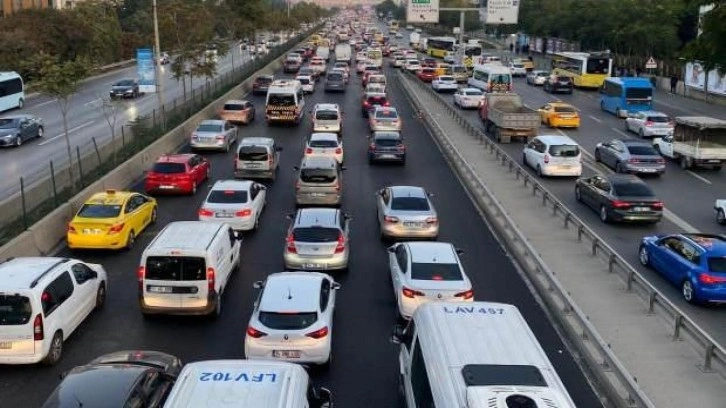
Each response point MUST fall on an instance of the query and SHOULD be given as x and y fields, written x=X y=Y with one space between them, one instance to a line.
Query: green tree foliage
x=710 y=47
x=452 y=19
x=398 y=12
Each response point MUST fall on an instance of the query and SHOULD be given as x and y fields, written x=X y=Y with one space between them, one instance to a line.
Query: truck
x=697 y=141
x=413 y=40
x=342 y=52
x=505 y=117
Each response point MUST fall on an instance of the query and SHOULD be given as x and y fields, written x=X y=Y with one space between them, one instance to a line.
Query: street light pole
x=157 y=56
x=288 y=7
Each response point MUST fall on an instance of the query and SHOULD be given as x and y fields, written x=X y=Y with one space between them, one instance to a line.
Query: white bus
x=12 y=91
x=375 y=57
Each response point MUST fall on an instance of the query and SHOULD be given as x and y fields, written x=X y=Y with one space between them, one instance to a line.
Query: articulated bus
x=393 y=26
x=439 y=46
x=588 y=70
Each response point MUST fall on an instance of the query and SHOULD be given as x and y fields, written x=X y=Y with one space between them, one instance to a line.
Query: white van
x=553 y=155
x=185 y=269
x=245 y=383
x=475 y=355
x=285 y=101
x=491 y=78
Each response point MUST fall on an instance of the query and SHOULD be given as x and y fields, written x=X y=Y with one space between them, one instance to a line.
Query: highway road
x=364 y=370
x=688 y=195
x=86 y=119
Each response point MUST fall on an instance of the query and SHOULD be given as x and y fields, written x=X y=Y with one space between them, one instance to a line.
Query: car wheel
x=130 y=240
x=688 y=292
x=257 y=222
x=217 y=307
x=56 y=349
x=401 y=392
x=720 y=217
x=21 y=103
x=578 y=194
x=597 y=155
x=524 y=160
x=549 y=123
x=641 y=134
x=154 y=216
x=100 y=296
x=619 y=168
x=18 y=141
x=604 y=215
x=539 y=171
x=626 y=125
x=194 y=188
x=40 y=131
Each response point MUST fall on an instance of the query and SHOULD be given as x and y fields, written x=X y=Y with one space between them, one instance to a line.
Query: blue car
x=694 y=262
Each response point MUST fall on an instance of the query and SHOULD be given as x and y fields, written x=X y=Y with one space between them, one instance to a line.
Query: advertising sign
x=696 y=78
x=502 y=11
x=422 y=11
x=717 y=82
x=145 y=70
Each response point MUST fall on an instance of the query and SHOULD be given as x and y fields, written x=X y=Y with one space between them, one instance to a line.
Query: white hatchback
x=468 y=98
x=238 y=203
x=553 y=155
x=424 y=272
x=292 y=318
x=325 y=144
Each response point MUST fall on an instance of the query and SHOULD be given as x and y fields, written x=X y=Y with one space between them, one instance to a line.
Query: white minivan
x=491 y=78
x=246 y=383
x=480 y=354
x=185 y=269
x=553 y=155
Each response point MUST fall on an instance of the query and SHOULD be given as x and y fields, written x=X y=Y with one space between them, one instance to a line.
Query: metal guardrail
x=713 y=355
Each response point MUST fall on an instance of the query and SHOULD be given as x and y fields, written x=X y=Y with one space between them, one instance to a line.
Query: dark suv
x=558 y=83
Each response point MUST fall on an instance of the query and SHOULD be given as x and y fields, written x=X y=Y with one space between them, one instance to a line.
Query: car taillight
x=116 y=228
x=633 y=161
x=465 y=295
x=338 y=150
x=410 y=293
x=710 y=279
x=254 y=333
x=140 y=274
x=401 y=148
x=341 y=244
x=432 y=220
x=219 y=137
x=648 y=123
x=621 y=204
x=366 y=104
x=203 y=212
x=660 y=161
x=337 y=185
x=390 y=219
x=318 y=334
x=290 y=244
x=71 y=229
x=244 y=213
x=38 y=328
x=658 y=205
x=194 y=136
x=309 y=150
x=546 y=158
x=211 y=277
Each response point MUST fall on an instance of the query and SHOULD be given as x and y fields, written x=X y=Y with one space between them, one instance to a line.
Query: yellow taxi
x=111 y=220
x=559 y=114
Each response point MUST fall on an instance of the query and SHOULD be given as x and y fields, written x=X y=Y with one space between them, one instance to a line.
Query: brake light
x=366 y=104
x=620 y=204
x=372 y=146
x=469 y=294
x=648 y=123
x=290 y=242
x=318 y=334
x=71 y=229
x=338 y=150
x=219 y=137
x=254 y=333
x=309 y=150
x=337 y=185
x=244 y=213
x=658 y=205
x=203 y=212
x=390 y=219
x=116 y=228
x=401 y=147
x=432 y=220
x=210 y=279
x=140 y=274
x=546 y=158
x=660 y=161
x=386 y=103
x=341 y=244
x=633 y=161
x=38 y=328
x=410 y=293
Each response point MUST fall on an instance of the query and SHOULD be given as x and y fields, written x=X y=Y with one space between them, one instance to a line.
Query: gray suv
x=317 y=240
x=335 y=81
x=319 y=181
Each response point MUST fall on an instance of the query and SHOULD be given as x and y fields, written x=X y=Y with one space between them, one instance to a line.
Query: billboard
x=146 y=70
x=422 y=11
x=696 y=78
x=502 y=12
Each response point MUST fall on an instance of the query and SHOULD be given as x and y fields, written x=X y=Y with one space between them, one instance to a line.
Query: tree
x=710 y=47
x=60 y=80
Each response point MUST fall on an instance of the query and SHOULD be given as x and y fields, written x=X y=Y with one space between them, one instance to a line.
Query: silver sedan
x=385 y=119
x=630 y=156
x=214 y=134
x=406 y=212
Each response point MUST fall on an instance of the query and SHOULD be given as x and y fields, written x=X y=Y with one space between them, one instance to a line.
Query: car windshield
x=326 y=115
x=435 y=271
x=386 y=114
x=233 y=107
x=227 y=197
x=518 y=65
x=169 y=168
x=715 y=264
x=317 y=175
x=252 y=153
x=315 y=234
x=410 y=204
x=323 y=143
x=287 y=320
x=99 y=211
x=564 y=150
x=565 y=109
x=175 y=268
x=211 y=128
x=126 y=82
x=8 y=123
x=642 y=150
x=14 y=310
x=636 y=189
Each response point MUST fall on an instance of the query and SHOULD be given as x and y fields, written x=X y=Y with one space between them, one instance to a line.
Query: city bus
x=623 y=96
x=393 y=26
x=471 y=56
x=439 y=46
x=588 y=70
x=375 y=57
x=12 y=92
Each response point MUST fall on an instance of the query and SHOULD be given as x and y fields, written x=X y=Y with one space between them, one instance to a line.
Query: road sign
x=502 y=12
x=651 y=64
x=422 y=11
x=145 y=70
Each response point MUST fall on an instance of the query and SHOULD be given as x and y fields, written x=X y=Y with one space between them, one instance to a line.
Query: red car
x=427 y=74
x=177 y=173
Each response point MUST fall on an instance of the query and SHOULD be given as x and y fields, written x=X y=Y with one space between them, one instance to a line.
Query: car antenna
x=289 y=293
x=80 y=404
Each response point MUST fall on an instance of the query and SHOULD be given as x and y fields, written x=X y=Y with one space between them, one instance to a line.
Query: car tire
x=18 y=141
x=720 y=216
x=217 y=307
x=688 y=292
x=578 y=194
x=626 y=125
x=21 y=103
x=40 y=132
x=194 y=188
x=619 y=168
x=539 y=172
x=130 y=240
x=604 y=215
x=100 y=296
x=641 y=134
x=154 y=216
x=597 y=156
x=643 y=256
x=56 y=349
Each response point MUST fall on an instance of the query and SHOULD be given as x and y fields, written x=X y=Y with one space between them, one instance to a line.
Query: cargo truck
x=505 y=117
x=697 y=141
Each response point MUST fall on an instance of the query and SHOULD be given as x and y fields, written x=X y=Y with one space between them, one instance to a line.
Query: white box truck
x=343 y=52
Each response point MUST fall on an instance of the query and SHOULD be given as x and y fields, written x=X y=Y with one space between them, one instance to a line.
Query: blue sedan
x=694 y=262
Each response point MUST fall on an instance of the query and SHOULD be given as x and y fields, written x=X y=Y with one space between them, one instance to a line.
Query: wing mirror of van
x=323 y=397
x=431 y=195
x=459 y=251
x=258 y=285
x=238 y=235
x=278 y=149
x=391 y=249
x=336 y=286
x=296 y=168
x=289 y=216
x=343 y=168
x=397 y=335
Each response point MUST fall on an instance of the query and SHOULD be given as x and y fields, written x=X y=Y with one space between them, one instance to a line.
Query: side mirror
x=63 y=375
x=391 y=249
x=347 y=216
x=278 y=149
x=459 y=251
x=431 y=195
x=296 y=168
x=258 y=285
x=343 y=168
x=238 y=235
x=289 y=216
x=397 y=335
x=323 y=397
x=336 y=286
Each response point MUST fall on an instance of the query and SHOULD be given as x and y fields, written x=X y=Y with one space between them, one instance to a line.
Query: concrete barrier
x=45 y=235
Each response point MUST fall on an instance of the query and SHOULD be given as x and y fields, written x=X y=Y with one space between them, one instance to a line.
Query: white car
x=238 y=203
x=537 y=77
x=318 y=65
x=307 y=82
x=444 y=83
x=467 y=98
x=292 y=318
x=450 y=57
x=399 y=61
x=720 y=208
x=424 y=272
x=517 y=69
x=399 y=35
x=412 y=65
x=325 y=144
x=553 y=155
x=649 y=124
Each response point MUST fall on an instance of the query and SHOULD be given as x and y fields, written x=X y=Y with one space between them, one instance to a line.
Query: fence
x=39 y=193
x=713 y=355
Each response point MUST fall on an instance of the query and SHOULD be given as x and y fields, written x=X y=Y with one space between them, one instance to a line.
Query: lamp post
x=157 y=56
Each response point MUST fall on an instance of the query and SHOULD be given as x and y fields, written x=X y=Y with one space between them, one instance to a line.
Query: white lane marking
x=594 y=118
x=93 y=102
x=705 y=180
x=41 y=104
x=620 y=131
x=71 y=130
x=680 y=222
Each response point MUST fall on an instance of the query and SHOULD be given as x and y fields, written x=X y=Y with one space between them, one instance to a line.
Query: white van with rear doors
x=185 y=269
x=246 y=383
x=553 y=155
x=491 y=78
x=475 y=355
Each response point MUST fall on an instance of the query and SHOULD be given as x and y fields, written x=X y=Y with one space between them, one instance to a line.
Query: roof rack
x=34 y=283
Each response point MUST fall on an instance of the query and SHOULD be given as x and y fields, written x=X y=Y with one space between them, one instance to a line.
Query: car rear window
x=175 y=268
x=318 y=175
x=287 y=321
x=564 y=150
x=335 y=77
x=99 y=211
x=263 y=81
x=227 y=197
x=715 y=264
x=635 y=189
x=564 y=79
x=642 y=151
x=388 y=141
x=326 y=115
x=169 y=168
x=315 y=234
x=446 y=78
x=565 y=109
x=435 y=271
x=410 y=204
x=15 y=310
x=377 y=100
x=252 y=153
x=323 y=143
x=386 y=114
x=233 y=107
x=304 y=81
x=209 y=128
x=659 y=119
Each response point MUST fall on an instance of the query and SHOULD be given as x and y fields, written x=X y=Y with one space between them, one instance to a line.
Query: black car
x=121 y=379
x=556 y=84
x=262 y=84
x=619 y=197
x=386 y=146
x=16 y=129
x=125 y=88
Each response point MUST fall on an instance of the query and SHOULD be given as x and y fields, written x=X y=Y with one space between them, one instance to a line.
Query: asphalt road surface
x=364 y=370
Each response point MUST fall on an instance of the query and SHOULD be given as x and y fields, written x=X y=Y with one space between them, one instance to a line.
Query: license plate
x=648 y=170
x=91 y=231
x=6 y=345
x=411 y=224
x=159 y=289
x=314 y=266
x=714 y=161
x=223 y=215
x=166 y=187
x=317 y=194
x=252 y=165
x=566 y=166
x=286 y=353
x=641 y=209
x=388 y=156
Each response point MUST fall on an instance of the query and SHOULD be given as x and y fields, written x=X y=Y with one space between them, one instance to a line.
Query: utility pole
x=288 y=7
x=157 y=56
x=462 y=17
